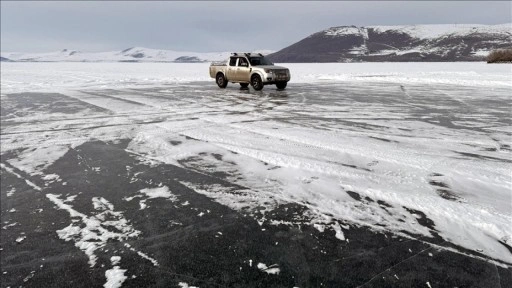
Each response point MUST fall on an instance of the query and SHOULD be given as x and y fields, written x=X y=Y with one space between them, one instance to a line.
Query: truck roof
x=246 y=54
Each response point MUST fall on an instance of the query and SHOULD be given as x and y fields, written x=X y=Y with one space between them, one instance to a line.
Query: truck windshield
x=256 y=61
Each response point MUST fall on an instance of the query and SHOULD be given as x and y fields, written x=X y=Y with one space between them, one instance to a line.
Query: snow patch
x=339 y=233
x=159 y=192
x=153 y=193
x=440 y=30
x=51 y=177
x=115 y=277
x=347 y=30
x=115 y=260
x=93 y=232
x=272 y=269
x=11 y=192
x=185 y=285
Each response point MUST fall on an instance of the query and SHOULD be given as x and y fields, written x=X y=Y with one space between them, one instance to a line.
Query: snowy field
x=46 y=76
x=416 y=150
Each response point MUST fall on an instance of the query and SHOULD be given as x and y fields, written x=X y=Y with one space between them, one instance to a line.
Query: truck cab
x=238 y=68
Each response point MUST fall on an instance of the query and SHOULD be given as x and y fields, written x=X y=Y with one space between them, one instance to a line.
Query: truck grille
x=281 y=73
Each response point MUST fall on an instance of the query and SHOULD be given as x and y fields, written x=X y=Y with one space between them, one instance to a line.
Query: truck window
x=255 y=61
x=242 y=62
x=232 y=61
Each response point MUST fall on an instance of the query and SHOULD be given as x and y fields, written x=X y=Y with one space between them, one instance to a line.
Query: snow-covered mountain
x=455 y=42
x=135 y=54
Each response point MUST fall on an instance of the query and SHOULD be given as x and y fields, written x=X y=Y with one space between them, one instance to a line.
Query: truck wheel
x=221 y=81
x=281 y=85
x=244 y=85
x=256 y=82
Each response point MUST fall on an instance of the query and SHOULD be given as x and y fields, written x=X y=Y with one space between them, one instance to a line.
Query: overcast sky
x=214 y=26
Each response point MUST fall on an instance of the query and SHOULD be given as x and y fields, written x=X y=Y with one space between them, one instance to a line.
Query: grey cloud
x=214 y=26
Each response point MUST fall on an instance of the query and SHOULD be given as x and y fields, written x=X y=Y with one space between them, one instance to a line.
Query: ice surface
x=381 y=158
x=59 y=77
x=30 y=183
x=33 y=161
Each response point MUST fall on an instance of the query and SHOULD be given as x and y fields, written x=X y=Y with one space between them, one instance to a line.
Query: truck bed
x=218 y=63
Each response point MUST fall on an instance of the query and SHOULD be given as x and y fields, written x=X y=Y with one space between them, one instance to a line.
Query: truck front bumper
x=272 y=78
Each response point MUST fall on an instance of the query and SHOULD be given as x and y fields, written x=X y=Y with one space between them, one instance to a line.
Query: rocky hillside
x=461 y=42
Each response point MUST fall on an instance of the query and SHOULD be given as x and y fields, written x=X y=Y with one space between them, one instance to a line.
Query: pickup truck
x=249 y=68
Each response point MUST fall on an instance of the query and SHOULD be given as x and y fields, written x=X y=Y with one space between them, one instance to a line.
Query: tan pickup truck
x=249 y=68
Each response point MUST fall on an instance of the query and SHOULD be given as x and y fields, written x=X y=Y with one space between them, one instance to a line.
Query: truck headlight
x=268 y=71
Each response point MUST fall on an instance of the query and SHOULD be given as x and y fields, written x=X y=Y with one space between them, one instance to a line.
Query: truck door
x=231 y=69
x=243 y=70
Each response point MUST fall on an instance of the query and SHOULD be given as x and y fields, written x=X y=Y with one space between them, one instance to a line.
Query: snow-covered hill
x=135 y=54
x=456 y=42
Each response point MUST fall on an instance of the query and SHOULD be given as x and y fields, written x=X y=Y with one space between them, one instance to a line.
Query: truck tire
x=281 y=85
x=256 y=82
x=221 y=80
x=244 y=85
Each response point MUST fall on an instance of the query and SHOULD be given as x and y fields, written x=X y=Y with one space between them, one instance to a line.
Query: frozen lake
x=119 y=163
x=22 y=77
